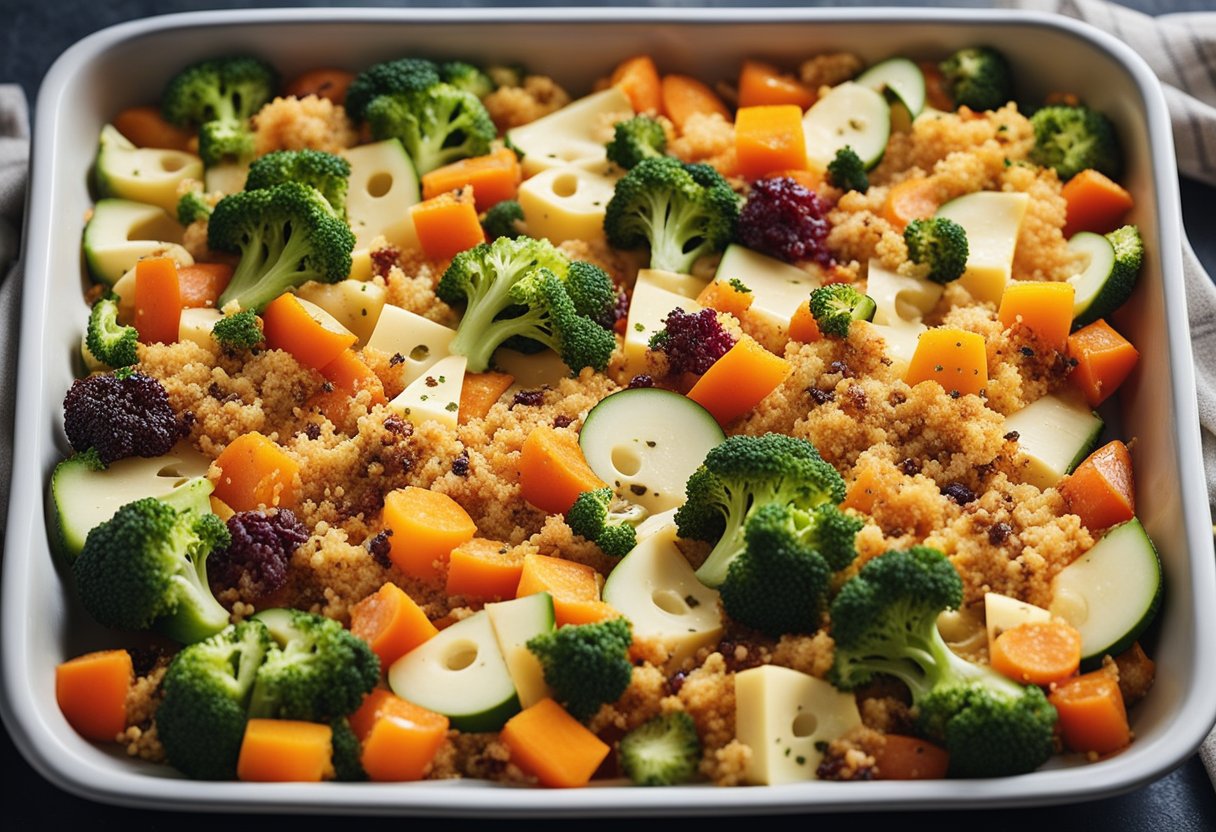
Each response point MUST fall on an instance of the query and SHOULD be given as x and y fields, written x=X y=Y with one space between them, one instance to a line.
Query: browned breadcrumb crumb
x=851 y=757
x=482 y=756
x=1136 y=672
x=294 y=123
x=516 y=106
x=143 y=697
x=829 y=69
x=708 y=138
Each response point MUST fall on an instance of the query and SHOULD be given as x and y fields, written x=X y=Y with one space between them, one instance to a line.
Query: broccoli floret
x=682 y=211
x=315 y=669
x=692 y=341
x=591 y=291
x=147 y=566
x=884 y=620
x=503 y=219
x=286 y=235
x=1072 y=139
x=635 y=139
x=978 y=77
x=436 y=125
x=941 y=245
x=740 y=476
x=347 y=752
x=219 y=96
x=256 y=559
x=240 y=331
x=847 y=172
x=201 y=721
x=833 y=534
x=837 y=305
x=110 y=342
x=193 y=206
x=403 y=75
x=120 y=415
x=607 y=519
x=327 y=172
x=786 y=220
x=665 y=751
x=586 y=665
x=465 y=76
x=524 y=288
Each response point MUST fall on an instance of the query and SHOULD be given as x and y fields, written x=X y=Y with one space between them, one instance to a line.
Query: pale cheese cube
x=383 y=187
x=647 y=310
x=355 y=303
x=573 y=134
x=992 y=220
x=567 y=203
x=420 y=341
x=778 y=288
x=435 y=395
x=196 y=325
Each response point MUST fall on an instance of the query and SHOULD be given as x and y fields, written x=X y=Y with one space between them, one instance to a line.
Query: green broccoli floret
x=837 y=305
x=740 y=476
x=847 y=172
x=436 y=125
x=503 y=219
x=402 y=75
x=884 y=620
x=592 y=291
x=201 y=721
x=586 y=665
x=465 y=76
x=635 y=139
x=833 y=534
x=219 y=96
x=286 y=236
x=110 y=342
x=524 y=288
x=347 y=752
x=940 y=244
x=978 y=77
x=315 y=668
x=665 y=751
x=682 y=211
x=327 y=172
x=240 y=331
x=193 y=206
x=1072 y=139
x=608 y=520
x=147 y=566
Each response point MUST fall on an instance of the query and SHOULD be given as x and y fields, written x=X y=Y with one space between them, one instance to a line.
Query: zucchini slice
x=1110 y=275
x=900 y=78
x=853 y=115
x=121 y=232
x=646 y=442
x=1112 y=592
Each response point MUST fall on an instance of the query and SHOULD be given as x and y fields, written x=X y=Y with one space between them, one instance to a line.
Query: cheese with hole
x=383 y=187
x=898 y=298
x=142 y=174
x=435 y=395
x=356 y=304
x=648 y=308
x=574 y=134
x=993 y=221
x=567 y=203
x=777 y=287
x=418 y=340
x=784 y=717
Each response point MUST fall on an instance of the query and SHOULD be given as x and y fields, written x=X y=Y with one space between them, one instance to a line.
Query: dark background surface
x=33 y=34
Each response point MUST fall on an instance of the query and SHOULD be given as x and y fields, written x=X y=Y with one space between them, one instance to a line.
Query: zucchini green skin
x=1116 y=286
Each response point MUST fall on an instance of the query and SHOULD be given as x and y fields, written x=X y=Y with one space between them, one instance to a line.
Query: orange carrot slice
x=553 y=746
x=1042 y=307
x=1095 y=203
x=285 y=751
x=1101 y=491
x=762 y=84
x=575 y=588
x=1104 y=361
x=638 y=78
x=803 y=326
x=92 y=693
x=769 y=139
x=309 y=333
x=350 y=374
x=484 y=568
x=426 y=526
x=685 y=97
x=1037 y=652
x=1092 y=717
x=739 y=380
x=254 y=472
x=146 y=127
x=402 y=739
x=158 y=300
x=912 y=199
x=954 y=358
x=725 y=296
x=494 y=178
x=902 y=757
x=203 y=283
x=553 y=470
x=480 y=392
x=447 y=224
x=325 y=82
x=391 y=623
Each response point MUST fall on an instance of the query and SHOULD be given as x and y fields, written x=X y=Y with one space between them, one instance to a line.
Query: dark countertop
x=34 y=34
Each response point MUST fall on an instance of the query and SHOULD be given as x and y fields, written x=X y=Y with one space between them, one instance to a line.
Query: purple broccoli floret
x=120 y=415
x=693 y=341
x=256 y=561
x=785 y=220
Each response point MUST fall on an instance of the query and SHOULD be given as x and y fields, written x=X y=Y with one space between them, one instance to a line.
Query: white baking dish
x=128 y=64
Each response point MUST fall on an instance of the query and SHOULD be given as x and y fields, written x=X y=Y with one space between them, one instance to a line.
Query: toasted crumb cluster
x=297 y=123
x=538 y=96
